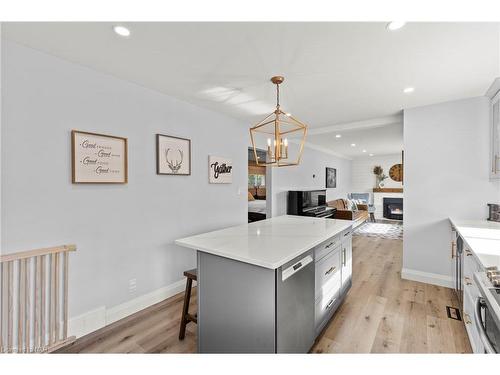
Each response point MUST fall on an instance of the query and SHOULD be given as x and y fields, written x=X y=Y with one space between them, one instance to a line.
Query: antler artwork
x=174 y=165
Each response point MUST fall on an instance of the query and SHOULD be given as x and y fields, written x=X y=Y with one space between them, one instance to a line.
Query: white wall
x=122 y=231
x=446 y=174
x=363 y=179
x=309 y=174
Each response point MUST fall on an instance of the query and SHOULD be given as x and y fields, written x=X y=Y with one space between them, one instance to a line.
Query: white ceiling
x=375 y=140
x=335 y=73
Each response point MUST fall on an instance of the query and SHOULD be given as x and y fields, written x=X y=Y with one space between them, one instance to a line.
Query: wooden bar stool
x=186 y=316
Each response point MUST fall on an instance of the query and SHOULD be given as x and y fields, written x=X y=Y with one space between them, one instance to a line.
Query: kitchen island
x=270 y=286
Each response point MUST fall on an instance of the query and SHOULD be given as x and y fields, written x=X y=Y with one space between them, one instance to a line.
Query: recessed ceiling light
x=288 y=114
x=121 y=30
x=338 y=135
x=408 y=90
x=371 y=154
x=364 y=150
x=395 y=25
x=353 y=144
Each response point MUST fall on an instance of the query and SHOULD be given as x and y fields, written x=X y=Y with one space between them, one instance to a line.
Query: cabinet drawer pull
x=467 y=281
x=343 y=256
x=346 y=234
x=453 y=247
x=467 y=319
x=329 y=245
x=468 y=252
x=330 y=304
x=330 y=270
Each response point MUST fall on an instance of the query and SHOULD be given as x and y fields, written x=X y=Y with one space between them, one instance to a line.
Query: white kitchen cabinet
x=495 y=137
x=333 y=269
x=470 y=295
x=346 y=259
x=468 y=312
x=328 y=284
x=327 y=247
x=328 y=275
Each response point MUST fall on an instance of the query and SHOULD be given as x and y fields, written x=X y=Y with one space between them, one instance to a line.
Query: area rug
x=393 y=231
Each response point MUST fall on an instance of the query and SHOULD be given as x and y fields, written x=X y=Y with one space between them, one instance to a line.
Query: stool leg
x=185 y=308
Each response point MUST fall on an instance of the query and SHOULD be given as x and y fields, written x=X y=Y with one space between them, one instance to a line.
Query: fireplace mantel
x=387 y=190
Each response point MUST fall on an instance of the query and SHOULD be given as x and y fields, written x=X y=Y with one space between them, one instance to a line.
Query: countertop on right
x=483 y=238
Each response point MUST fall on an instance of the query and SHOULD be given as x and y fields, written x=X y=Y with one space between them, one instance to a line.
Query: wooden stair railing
x=34 y=300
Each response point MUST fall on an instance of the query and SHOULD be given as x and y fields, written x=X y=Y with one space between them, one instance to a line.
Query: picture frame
x=98 y=158
x=173 y=155
x=331 y=178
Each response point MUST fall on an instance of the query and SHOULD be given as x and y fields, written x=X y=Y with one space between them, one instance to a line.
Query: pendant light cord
x=277 y=95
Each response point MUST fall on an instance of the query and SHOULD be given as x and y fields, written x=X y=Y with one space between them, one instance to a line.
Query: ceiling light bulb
x=353 y=144
x=288 y=114
x=364 y=150
x=338 y=136
x=408 y=90
x=395 y=25
x=371 y=154
x=121 y=30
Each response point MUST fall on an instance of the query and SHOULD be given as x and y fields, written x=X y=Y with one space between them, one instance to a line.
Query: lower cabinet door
x=324 y=309
x=470 y=296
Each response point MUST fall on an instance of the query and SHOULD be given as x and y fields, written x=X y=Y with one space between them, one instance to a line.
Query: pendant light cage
x=279 y=129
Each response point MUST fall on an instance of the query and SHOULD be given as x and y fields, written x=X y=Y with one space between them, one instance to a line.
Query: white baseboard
x=427 y=277
x=102 y=316
x=139 y=303
x=88 y=322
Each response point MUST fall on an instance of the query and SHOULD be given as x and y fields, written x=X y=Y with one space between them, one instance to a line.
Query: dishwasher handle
x=296 y=267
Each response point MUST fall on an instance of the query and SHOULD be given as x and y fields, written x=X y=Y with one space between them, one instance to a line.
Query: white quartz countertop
x=268 y=243
x=483 y=238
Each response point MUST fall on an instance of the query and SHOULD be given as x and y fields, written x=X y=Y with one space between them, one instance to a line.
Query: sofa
x=359 y=216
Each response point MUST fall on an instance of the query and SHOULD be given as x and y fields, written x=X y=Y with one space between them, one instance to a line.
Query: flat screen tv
x=302 y=201
x=313 y=199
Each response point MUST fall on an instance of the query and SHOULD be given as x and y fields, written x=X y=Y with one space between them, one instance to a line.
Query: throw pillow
x=351 y=205
x=250 y=197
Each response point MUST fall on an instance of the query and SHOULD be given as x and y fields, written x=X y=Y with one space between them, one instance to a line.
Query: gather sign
x=220 y=170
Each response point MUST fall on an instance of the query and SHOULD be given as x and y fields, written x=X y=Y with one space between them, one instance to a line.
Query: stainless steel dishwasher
x=295 y=305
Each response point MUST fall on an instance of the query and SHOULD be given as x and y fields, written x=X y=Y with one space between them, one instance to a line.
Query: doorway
x=257 y=187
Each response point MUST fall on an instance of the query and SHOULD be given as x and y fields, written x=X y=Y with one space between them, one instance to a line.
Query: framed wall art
x=173 y=155
x=220 y=170
x=331 y=178
x=98 y=158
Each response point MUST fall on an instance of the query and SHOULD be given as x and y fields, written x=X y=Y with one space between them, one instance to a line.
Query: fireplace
x=393 y=208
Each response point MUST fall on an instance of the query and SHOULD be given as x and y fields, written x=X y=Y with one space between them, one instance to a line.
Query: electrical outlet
x=132 y=285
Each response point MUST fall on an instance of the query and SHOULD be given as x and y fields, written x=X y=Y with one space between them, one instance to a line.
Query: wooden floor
x=381 y=314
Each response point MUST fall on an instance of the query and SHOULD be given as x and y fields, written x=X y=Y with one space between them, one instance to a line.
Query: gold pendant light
x=278 y=128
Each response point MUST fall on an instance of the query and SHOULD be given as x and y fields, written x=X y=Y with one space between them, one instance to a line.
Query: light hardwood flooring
x=381 y=314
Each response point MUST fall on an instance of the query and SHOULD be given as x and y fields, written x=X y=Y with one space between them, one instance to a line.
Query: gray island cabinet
x=270 y=286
